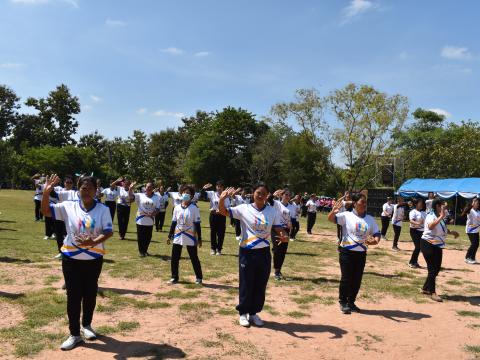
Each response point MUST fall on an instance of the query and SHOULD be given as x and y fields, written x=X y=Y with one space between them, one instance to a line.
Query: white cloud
x=356 y=8
x=456 y=53
x=73 y=3
x=141 y=111
x=173 y=51
x=95 y=98
x=441 y=112
x=11 y=65
x=115 y=23
x=163 y=113
x=202 y=54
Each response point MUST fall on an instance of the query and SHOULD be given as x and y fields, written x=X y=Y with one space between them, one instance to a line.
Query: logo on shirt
x=361 y=229
x=261 y=224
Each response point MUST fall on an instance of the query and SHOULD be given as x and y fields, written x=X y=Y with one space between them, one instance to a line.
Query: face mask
x=186 y=197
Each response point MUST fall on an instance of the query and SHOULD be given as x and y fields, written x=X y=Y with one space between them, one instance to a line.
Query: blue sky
x=144 y=64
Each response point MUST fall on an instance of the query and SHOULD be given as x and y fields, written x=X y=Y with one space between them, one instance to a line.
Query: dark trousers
x=60 y=233
x=144 y=237
x=217 y=231
x=279 y=252
x=123 y=216
x=81 y=280
x=238 y=229
x=396 y=231
x=38 y=213
x=49 y=226
x=112 y=206
x=416 y=238
x=193 y=253
x=295 y=228
x=472 y=250
x=159 y=221
x=311 y=218
x=339 y=233
x=433 y=257
x=254 y=271
x=385 y=223
x=352 y=264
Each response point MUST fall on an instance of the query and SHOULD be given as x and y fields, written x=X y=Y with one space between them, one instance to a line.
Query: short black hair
x=189 y=188
x=357 y=196
x=87 y=179
x=259 y=185
x=220 y=182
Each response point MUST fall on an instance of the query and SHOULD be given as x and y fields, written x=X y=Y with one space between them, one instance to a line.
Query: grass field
x=30 y=279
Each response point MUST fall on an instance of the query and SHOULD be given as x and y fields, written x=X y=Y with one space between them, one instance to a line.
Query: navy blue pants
x=254 y=271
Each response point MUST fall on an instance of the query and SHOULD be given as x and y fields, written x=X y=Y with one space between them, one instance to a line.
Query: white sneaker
x=243 y=320
x=291 y=239
x=471 y=261
x=255 y=319
x=89 y=333
x=58 y=256
x=71 y=342
x=212 y=252
x=46 y=238
x=218 y=253
x=238 y=238
x=53 y=236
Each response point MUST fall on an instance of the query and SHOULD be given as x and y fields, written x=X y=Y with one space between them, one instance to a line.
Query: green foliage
x=8 y=110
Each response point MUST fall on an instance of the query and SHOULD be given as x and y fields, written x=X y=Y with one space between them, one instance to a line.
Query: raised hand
x=50 y=182
x=132 y=186
x=278 y=193
x=207 y=186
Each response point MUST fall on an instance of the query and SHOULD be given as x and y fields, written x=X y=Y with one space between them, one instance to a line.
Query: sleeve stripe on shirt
x=52 y=210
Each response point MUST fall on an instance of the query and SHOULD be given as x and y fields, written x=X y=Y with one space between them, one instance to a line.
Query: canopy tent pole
x=455 y=219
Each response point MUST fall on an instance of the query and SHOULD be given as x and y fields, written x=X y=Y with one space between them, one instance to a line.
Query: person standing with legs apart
x=386 y=216
x=257 y=220
x=295 y=209
x=88 y=226
x=358 y=230
x=217 y=220
x=397 y=219
x=311 y=213
x=279 y=249
x=111 y=196
x=148 y=205
x=160 y=217
x=123 y=208
x=417 y=219
x=37 y=199
x=432 y=245
x=473 y=229
x=186 y=231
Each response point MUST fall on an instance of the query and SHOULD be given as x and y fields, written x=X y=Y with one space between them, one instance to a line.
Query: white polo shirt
x=285 y=215
x=146 y=207
x=417 y=216
x=356 y=230
x=387 y=209
x=398 y=215
x=473 y=222
x=123 y=196
x=214 y=198
x=186 y=218
x=110 y=195
x=437 y=235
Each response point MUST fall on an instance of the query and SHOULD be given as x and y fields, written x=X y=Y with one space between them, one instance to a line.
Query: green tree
x=9 y=105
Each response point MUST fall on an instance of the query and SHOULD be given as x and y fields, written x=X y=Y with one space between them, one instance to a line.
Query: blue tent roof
x=444 y=188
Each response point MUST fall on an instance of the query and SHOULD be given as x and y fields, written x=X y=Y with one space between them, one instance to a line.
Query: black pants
x=81 y=280
x=144 y=237
x=416 y=238
x=217 y=231
x=295 y=228
x=352 y=264
x=112 y=205
x=49 y=226
x=159 y=221
x=311 y=218
x=433 y=257
x=193 y=253
x=254 y=271
x=385 y=223
x=238 y=229
x=123 y=216
x=396 y=230
x=38 y=213
x=339 y=233
x=279 y=251
x=60 y=233
x=303 y=213
x=472 y=250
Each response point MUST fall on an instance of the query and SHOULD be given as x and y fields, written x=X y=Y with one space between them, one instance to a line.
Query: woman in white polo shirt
x=432 y=245
x=123 y=207
x=417 y=219
x=256 y=220
x=111 y=196
x=217 y=220
x=358 y=230
x=397 y=220
x=311 y=213
x=88 y=225
x=386 y=216
x=148 y=205
x=472 y=229
x=279 y=248
x=186 y=231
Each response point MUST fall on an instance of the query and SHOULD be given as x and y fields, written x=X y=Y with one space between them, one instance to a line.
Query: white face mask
x=186 y=197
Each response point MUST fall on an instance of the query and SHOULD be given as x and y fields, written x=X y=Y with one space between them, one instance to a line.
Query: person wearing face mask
x=358 y=230
x=279 y=248
x=148 y=205
x=88 y=225
x=256 y=220
x=217 y=220
x=123 y=207
x=432 y=245
x=186 y=231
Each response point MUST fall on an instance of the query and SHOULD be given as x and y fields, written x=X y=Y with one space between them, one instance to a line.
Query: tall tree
x=367 y=119
x=9 y=105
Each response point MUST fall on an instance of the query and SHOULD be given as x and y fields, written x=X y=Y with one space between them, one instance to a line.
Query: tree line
x=294 y=145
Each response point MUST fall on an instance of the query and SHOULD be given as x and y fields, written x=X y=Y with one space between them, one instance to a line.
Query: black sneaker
x=355 y=308
x=345 y=308
x=278 y=276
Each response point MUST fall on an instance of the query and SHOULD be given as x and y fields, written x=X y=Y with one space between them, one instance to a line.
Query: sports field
x=140 y=316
